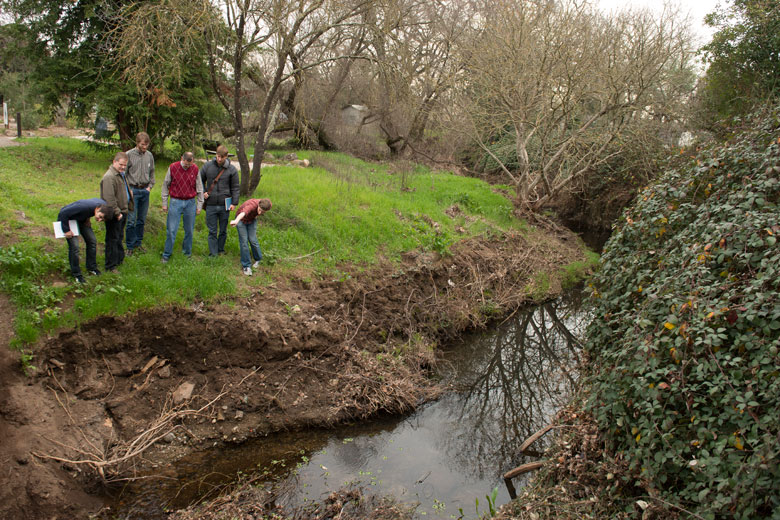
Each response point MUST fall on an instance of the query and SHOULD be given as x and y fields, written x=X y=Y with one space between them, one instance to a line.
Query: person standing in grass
x=140 y=177
x=182 y=183
x=246 y=225
x=220 y=180
x=81 y=211
x=116 y=192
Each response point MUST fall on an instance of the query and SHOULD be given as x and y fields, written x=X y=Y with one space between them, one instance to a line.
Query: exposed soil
x=133 y=392
x=7 y=135
x=28 y=414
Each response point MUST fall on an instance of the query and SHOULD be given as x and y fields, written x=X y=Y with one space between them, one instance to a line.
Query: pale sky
x=696 y=8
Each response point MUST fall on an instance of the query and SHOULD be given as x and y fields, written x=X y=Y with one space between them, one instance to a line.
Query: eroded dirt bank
x=137 y=391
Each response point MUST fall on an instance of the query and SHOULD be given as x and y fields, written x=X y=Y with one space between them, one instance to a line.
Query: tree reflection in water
x=511 y=382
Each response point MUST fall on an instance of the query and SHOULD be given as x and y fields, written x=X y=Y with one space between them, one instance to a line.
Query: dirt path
x=307 y=353
x=8 y=141
x=8 y=137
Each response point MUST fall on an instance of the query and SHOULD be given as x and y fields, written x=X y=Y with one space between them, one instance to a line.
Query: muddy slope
x=132 y=392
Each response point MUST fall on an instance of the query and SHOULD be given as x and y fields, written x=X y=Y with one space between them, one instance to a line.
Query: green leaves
x=695 y=351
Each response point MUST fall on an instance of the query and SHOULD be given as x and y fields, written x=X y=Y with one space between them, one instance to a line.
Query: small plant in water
x=491 y=501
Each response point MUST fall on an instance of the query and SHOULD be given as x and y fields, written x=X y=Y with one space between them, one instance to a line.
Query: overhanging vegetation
x=685 y=382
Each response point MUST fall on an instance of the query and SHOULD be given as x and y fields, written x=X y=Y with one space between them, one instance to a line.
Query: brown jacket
x=113 y=191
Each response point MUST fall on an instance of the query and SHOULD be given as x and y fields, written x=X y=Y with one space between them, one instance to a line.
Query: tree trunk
x=249 y=182
x=124 y=126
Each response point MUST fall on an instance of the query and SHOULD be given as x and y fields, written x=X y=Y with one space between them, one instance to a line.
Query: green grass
x=575 y=272
x=336 y=217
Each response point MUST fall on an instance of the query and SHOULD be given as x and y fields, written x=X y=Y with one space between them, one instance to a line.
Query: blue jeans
x=186 y=211
x=217 y=220
x=73 y=250
x=247 y=237
x=137 y=218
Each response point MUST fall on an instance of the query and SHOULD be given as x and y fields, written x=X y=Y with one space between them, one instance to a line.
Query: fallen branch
x=535 y=437
x=519 y=470
x=303 y=256
x=110 y=465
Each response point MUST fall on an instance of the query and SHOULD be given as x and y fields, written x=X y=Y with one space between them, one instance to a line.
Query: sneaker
x=256 y=264
x=80 y=279
x=164 y=260
x=248 y=271
x=140 y=249
x=95 y=272
x=129 y=252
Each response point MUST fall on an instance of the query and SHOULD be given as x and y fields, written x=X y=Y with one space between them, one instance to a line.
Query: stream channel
x=505 y=384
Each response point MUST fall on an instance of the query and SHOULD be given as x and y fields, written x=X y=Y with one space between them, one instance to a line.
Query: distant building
x=361 y=119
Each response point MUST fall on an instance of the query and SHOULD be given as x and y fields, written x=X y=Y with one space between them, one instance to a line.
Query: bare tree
x=249 y=44
x=550 y=84
x=412 y=64
x=320 y=75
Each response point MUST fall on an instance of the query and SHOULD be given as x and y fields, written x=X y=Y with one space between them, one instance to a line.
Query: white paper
x=58 y=233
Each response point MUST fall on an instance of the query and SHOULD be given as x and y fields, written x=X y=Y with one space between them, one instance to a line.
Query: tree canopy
x=543 y=92
x=743 y=60
x=79 y=68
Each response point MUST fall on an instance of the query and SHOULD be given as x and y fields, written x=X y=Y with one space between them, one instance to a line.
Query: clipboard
x=59 y=233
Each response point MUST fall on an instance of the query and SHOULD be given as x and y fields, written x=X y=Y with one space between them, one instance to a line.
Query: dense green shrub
x=686 y=378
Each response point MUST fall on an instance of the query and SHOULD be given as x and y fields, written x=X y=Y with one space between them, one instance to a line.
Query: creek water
x=446 y=458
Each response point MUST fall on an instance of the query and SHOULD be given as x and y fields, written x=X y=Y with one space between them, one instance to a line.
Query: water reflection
x=507 y=384
x=513 y=381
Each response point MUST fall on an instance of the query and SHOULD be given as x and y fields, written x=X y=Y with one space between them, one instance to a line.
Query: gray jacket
x=227 y=186
x=140 y=168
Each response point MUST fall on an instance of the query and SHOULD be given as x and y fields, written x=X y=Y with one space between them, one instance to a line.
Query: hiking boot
x=248 y=271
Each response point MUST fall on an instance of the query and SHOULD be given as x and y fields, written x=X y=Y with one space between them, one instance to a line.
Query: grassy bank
x=339 y=212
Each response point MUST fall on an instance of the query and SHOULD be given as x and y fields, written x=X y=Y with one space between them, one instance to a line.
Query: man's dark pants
x=115 y=251
x=217 y=217
x=85 y=230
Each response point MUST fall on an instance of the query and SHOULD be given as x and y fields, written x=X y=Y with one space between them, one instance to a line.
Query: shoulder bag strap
x=215 y=181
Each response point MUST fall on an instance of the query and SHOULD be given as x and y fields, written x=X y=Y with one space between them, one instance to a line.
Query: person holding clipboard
x=221 y=185
x=78 y=214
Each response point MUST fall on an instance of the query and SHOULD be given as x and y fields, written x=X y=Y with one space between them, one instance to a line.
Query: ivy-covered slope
x=684 y=345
